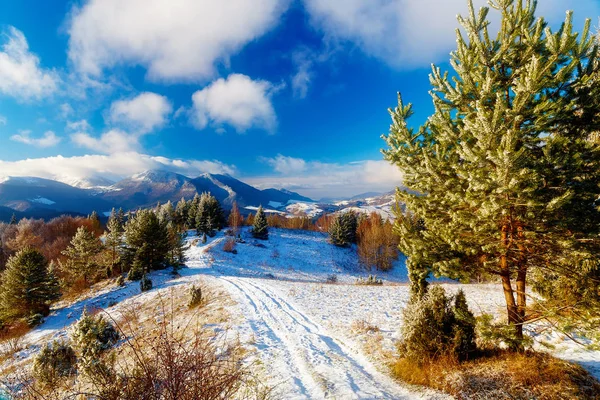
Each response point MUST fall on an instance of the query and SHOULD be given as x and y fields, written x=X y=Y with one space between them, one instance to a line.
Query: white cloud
x=3 y=120
x=411 y=33
x=138 y=116
x=113 y=166
x=143 y=113
x=81 y=126
x=48 y=140
x=113 y=141
x=303 y=76
x=316 y=179
x=66 y=110
x=237 y=101
x=181 y=40
x=20 y=73
x=285 y=165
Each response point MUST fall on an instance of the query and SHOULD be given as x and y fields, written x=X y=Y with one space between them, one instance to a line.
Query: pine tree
x=27 y=286
x=114 y=236
x=181 y=213
x=342 y=231
x=95 y=219
x=147 y=239
x=209 y=215
x=82 y=254
x=177 y=245
x=192 y=210
x=260 y=228
x=166 y=213
x=504 y=175
x=13 y=219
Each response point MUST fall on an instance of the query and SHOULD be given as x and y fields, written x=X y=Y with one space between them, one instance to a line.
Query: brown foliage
x=377 y=244
x=502 y=375
x=235 y=218
x=324 y=222
x=229 y=245
x=50 y=238
x=280 y=221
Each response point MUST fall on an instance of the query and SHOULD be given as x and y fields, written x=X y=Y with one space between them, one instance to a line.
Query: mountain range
x=45 y=198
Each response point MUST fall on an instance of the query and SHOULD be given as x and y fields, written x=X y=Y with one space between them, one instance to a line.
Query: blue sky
x=279 y=93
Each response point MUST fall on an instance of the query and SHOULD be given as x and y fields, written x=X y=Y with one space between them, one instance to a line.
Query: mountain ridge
x=144 y=189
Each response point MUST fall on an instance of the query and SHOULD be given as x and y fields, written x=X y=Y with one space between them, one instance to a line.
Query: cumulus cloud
x=285 y=165
x=81 y=125
x=237 y=101
x=114 y=166
x=113 y=141
x=3 y=120
x=407 y=33
x=316 y=179
x=181 y=40
x=143 y=113
x=49 y=139
x=21 y=75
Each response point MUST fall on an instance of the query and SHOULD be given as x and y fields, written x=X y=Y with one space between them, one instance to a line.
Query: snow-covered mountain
x=96 y=183
x=30 y=195
x=37 y=197
x=149 y=187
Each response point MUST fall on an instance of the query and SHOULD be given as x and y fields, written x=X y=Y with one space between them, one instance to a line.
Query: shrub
x=54 y=362
x=145 y=284
x=331 y=279
x=493 y=334
x=229 y=246
x=92 y=335
x=35 y=319
x=195 y=296
x=370 y=280
x=433 y=326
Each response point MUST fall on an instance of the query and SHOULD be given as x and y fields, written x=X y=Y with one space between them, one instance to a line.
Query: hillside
x=308 y=333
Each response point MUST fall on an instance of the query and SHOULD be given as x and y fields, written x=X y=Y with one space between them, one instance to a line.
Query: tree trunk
x=509 y=294
x=521 y=283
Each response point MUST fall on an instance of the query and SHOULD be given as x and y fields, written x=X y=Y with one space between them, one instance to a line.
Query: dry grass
x=168 y=351
x=229 y=246
x=11 y=339
x=502 y=375
x=361 y=326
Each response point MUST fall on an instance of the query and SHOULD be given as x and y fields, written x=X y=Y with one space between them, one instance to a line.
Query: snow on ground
x=42 y=200
x=311 y=210
x=301 y=327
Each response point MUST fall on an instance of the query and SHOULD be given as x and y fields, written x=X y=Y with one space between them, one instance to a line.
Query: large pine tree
x=114 y=236
x=81 y=254
x=28 y=287
x=209 y=215
x=148 y=240
x=503 y=177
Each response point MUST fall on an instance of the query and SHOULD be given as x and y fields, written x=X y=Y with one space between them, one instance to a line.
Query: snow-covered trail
x=306 y=361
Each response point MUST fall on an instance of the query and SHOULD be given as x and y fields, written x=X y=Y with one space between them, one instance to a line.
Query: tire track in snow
x=313 y=364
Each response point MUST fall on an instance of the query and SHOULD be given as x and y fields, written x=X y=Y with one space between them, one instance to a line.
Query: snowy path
x=309 y=363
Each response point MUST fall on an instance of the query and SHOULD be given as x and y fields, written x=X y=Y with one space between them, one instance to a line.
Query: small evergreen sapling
x=260 y=228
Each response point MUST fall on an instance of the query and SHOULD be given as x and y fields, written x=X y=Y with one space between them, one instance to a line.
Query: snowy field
x=306 y=331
